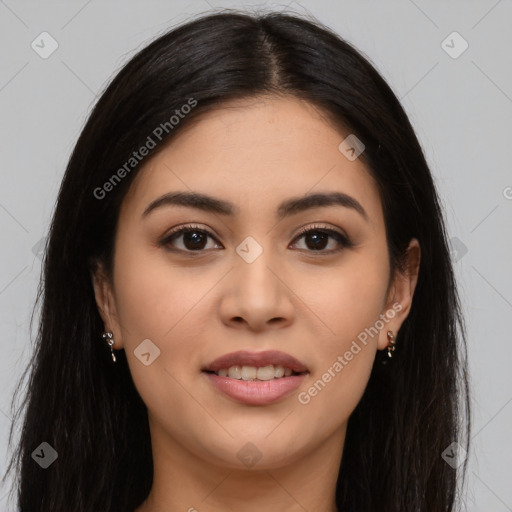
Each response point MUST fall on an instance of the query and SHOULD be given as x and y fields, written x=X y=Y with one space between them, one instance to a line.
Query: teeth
x=235 y=372
x=265 y=373
x=278 y=371
x=252 y=372
x=249 y=372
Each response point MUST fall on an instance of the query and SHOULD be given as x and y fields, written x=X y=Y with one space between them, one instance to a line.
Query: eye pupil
x=319 y=240
x=195 y=238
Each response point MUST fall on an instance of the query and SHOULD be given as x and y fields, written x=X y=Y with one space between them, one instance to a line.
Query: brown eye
x=317 y=239
x=193 y=239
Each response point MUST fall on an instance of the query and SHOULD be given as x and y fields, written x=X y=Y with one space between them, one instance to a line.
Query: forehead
x=256 y=152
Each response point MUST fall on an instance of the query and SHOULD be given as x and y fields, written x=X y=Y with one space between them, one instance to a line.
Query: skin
x=255 y=154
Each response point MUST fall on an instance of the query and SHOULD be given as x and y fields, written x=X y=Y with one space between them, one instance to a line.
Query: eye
x=194 y=238
x=317 y=237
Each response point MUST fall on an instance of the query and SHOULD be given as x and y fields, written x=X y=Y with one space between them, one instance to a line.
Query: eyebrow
x=288 y=207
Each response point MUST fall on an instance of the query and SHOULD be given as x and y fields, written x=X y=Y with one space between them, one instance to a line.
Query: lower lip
x=256 y=392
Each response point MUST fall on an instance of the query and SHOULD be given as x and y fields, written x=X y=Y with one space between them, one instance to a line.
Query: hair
x=89 y=410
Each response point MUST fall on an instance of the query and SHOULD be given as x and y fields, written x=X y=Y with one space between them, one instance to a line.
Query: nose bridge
x=254 y=277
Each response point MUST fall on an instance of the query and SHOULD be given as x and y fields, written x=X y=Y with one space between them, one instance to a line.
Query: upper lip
x=257 y=359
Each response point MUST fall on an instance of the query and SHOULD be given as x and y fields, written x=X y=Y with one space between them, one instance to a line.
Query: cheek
x=331 y=395
x=348 y=298
x=153 y=297
x=166 y=305
x=349 y=303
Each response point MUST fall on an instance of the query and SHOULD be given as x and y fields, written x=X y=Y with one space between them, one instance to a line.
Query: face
x=310 y=279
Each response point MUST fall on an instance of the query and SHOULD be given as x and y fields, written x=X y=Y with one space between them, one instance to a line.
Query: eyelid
x=190 y=226
x=323 y=228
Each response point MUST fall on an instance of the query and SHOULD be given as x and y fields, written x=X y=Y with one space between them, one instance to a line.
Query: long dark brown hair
x=89 y=410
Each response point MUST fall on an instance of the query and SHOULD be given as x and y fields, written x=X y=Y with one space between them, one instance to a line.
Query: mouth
x=256 y=378
x=245 y=365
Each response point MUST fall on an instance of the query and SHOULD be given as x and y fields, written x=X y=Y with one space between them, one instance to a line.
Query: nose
x=257 y=296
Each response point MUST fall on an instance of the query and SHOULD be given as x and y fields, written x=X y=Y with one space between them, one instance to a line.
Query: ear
x=400 y=294
x=105 y=302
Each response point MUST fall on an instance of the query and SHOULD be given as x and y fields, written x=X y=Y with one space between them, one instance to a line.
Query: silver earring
x=392 y=344
x=109 y=337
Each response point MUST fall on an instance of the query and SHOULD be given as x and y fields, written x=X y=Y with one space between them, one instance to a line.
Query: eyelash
x=343 y=240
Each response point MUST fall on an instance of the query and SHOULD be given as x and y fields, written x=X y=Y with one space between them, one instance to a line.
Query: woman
x=248 y=300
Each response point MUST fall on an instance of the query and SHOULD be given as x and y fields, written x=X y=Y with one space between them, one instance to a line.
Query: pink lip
x=255 y=392
x=257 y=359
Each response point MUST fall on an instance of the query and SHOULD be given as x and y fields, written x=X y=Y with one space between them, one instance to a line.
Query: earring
x=109 y=337
x=392 y=344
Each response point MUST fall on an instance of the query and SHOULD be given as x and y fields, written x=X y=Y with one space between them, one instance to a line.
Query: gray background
x=460 y=107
